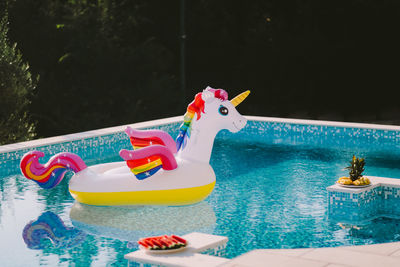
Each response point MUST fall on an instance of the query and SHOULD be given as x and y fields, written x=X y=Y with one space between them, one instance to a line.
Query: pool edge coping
x=176 y=119
x=87 y=134
x=326 y=123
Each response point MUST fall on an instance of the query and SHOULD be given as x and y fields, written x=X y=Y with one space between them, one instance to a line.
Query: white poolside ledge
x=326 y=123
x=177 y=119
x=375 y=182
x=197 y=242
x=383 y=255
x=87 y=134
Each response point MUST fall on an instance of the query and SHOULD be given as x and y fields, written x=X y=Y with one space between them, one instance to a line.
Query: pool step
x=360 y=205
x=198 y=242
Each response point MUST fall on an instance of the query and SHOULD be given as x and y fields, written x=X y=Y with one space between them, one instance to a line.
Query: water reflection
x=50 y=229
x=131 y=223
x=378 y=230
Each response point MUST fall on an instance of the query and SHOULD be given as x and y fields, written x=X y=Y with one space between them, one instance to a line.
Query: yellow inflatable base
x=171 y=197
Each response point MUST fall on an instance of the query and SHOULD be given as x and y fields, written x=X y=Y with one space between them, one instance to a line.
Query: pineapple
x=355 y=171
x=356 y=168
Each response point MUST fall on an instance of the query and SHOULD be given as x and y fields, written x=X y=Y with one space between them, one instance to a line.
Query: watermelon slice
x=179 y=239
x=146 y=243
x=164 y=242
x=153 y=244
x=143 y=244
x=158 y=243
x=170 y=243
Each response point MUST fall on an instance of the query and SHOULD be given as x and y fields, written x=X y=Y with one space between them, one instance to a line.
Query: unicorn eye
x=223 y=111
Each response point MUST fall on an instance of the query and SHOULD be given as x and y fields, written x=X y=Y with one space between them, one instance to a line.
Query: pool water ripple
x=270 y=193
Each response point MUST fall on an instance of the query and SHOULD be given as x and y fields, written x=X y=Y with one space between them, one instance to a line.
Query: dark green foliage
x=102 y=63
x=304 y=59
x=16 y=87
x=105 y=63
x=356 y=168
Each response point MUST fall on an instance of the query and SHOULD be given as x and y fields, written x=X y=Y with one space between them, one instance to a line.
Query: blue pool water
x=270 y=193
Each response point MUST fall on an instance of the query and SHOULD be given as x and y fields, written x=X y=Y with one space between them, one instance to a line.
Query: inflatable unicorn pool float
x=167 y=172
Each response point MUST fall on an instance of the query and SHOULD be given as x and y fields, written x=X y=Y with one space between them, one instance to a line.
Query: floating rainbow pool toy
x=158 y=171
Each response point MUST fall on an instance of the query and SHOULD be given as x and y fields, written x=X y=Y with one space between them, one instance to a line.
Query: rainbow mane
x=195 y=107
x=50 y=226
x=50 y=174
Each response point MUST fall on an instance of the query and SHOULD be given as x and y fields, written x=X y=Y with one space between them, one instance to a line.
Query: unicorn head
x=220 y=112
x=210 y=112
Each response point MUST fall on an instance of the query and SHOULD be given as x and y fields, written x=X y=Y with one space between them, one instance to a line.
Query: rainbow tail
x=50 y=174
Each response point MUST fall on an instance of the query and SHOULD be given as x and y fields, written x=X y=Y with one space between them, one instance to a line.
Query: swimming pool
x=270 y=193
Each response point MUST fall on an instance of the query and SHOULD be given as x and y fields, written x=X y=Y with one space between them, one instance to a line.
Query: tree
x=16 y=88
x=101 y=63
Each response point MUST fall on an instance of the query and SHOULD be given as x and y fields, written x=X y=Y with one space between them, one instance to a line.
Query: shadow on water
x=378 y=230
x=132 y=223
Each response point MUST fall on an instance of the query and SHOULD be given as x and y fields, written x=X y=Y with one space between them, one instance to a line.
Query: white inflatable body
x=114 y=184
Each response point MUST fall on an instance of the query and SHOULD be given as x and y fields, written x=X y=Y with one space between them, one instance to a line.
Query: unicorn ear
x=207 y=96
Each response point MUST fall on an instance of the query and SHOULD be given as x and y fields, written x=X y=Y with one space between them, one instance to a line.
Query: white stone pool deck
x=385 y=255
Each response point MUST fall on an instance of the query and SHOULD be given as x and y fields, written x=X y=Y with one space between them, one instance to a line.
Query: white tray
x=162 y=251
x=353 y=186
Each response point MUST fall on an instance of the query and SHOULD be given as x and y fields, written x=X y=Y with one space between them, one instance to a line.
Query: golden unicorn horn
x=239 y=98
